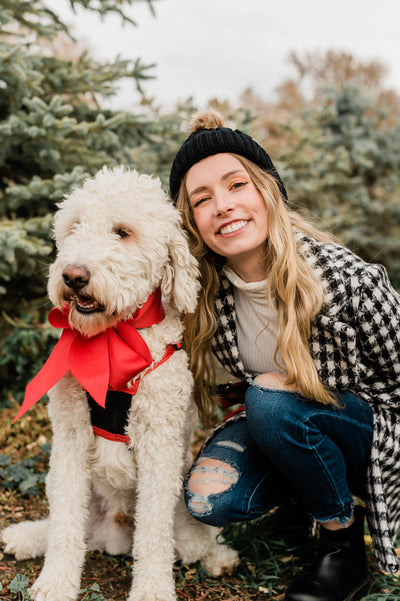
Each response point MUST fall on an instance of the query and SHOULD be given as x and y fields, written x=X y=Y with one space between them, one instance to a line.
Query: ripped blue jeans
x=287 y=447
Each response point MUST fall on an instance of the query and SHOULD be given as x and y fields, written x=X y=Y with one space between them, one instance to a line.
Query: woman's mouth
x=234 y=227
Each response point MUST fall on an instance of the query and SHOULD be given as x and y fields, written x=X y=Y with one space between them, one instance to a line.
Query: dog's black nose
x=75 y=276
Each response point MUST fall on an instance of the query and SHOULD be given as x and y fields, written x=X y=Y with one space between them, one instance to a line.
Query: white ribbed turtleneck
x=256 y=342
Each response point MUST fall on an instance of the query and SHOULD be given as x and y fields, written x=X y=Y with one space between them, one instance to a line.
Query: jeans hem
x=342 y=520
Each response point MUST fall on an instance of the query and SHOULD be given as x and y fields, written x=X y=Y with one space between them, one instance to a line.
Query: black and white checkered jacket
x=355 y=344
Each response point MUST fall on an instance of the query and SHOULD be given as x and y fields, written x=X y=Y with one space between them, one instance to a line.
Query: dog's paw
x=151 y=597
x=25 y=540
x=221 y=559
x=154 y=592
x=50 y=587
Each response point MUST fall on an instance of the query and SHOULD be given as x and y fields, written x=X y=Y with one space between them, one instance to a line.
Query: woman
x=314 y=331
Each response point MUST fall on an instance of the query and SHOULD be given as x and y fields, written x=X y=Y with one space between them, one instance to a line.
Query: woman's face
x=228 y=210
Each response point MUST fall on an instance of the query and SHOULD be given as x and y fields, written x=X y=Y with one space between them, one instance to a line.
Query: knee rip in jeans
x=209 y=477
x=274 y=380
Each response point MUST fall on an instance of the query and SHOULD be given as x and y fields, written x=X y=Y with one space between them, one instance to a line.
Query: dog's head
x=118 y=239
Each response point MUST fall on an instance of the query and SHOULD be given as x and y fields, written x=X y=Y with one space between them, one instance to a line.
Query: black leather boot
x=340 y=571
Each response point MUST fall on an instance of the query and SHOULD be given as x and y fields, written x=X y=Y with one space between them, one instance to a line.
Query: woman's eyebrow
x=233 y=172
x=196 y=190
x=225 y=176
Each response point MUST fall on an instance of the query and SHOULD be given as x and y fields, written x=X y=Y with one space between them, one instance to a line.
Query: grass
x=271 y=549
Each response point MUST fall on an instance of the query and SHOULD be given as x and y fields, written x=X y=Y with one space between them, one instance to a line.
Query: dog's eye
x=122 y=233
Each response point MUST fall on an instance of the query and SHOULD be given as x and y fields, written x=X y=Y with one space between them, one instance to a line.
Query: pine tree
x=54 y=133
x=344 y=165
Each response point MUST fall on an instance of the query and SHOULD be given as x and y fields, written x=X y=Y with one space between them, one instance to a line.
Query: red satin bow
x=106 y=361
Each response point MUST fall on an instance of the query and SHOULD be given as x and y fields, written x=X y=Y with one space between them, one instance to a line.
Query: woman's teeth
x=233 y=227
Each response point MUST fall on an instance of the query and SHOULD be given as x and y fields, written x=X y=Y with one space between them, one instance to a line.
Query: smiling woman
x=230 y=213
x=303 y=322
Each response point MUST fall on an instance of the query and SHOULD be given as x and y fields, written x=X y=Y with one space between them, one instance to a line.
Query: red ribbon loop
x=106 y=361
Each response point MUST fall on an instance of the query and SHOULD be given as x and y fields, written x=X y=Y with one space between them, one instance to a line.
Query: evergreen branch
x=17 y=323
x=32 y=16
x=104 y=7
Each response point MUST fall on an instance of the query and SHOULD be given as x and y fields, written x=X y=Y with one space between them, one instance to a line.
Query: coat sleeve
x=379 y=322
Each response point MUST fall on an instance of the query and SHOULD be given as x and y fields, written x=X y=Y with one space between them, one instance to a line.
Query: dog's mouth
x=86 y=304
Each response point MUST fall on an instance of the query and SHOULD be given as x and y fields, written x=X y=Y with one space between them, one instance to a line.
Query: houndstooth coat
x=355 y=345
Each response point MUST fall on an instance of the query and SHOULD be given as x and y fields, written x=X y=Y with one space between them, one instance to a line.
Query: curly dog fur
x=121 y=230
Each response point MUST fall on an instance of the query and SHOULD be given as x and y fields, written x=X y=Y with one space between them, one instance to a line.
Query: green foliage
x=24 y=245
x=103 y=7
x=53 y=134
x=24 y=350
x=23 y=476
x=344 y=166
x=92 y=593
x=19 y=586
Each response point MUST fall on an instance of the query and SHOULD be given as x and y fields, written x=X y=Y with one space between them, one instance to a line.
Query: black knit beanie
x=203 y=143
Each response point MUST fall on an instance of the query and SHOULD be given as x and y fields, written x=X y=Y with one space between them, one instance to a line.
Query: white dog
x=119 y=240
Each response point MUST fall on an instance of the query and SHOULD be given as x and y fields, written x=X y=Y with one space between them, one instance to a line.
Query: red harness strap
x=132 y=389
x=110 y=436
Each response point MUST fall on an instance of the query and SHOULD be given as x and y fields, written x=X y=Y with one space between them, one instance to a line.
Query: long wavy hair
x=291 y=283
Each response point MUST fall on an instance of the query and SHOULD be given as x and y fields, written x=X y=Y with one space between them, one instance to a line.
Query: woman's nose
x=223 y=203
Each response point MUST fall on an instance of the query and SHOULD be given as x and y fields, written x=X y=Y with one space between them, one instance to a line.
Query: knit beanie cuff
x=207 y=142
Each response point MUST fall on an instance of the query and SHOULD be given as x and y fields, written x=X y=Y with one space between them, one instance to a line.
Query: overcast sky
x=216 y=48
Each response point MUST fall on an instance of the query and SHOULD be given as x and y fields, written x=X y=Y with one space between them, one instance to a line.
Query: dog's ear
x=181 y=275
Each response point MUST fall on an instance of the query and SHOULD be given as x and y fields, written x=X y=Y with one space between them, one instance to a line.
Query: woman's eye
x=199 y=201
x=238 y=184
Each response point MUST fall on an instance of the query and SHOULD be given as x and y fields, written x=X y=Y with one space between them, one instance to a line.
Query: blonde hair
x=292 y=285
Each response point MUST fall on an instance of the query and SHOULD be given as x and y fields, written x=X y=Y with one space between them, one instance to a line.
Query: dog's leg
x=153 y=549
x=195 y=541
x=159 y=453
x=68 y=487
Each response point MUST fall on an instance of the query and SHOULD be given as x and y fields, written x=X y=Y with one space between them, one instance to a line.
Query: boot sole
x=359 y=591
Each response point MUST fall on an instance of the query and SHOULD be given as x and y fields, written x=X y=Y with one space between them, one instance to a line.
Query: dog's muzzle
x=75 y=278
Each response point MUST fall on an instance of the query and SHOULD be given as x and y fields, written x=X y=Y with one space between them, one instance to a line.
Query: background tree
x=53 y=134
x=335 y=131
x=345 y=168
